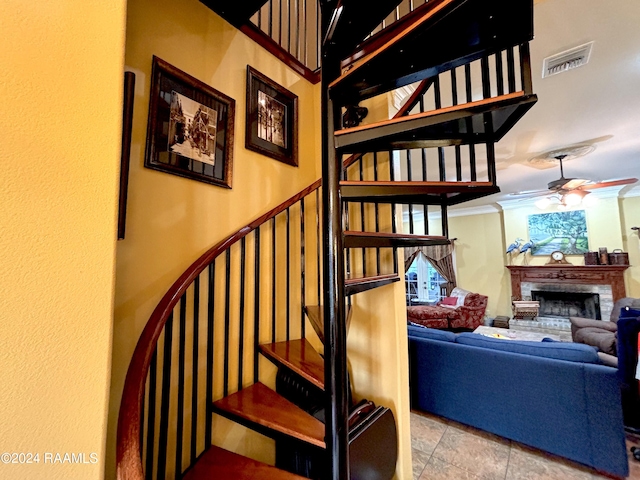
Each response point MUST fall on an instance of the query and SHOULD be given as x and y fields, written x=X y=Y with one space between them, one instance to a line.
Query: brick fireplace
x=599 y=285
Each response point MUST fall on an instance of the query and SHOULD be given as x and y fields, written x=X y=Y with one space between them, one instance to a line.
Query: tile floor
x=445 y=450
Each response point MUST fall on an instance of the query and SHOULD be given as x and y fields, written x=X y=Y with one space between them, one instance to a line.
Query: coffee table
x=510 y=334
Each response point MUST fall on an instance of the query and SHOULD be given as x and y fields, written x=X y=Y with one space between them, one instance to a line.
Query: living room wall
x=172 y=221
x=482 y=240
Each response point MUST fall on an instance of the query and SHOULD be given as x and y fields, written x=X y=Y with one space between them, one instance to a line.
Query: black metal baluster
x=194 y=376
x=499 y=73
x=525 y=69
x=318 y=242
x=210 y=337
x=298 y=29
x=164 y=399
x=454 y=95
x=227 y=322
x=362 y=224
x=151 y=415
x=273 y=280
x=394 y=226
x=423 y=152
x=472 y=147
x=181 y=363
x=280 y=22
x=142 y=419
x=442 y=167
x=288 y=26
x=243 y=251
x=511 y=70
x=445 y=220
x=288 y=277
x=302 y=268
x=256 y=307
x=486 y=77
x=491 y=162
x=409 y=178
x=376 y=210
x=305 y=37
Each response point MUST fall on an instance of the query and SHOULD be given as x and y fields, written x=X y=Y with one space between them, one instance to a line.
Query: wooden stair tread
x=354 y=20
x=426 y=193
x=259 y=406
x=440 y=35
x=455 y=125
x=362 y=284
x=217 y=462
x=315 y=313
x=353 y=239
x=298 y=356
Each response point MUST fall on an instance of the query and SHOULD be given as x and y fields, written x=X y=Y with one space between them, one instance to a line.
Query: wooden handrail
x=129 y=464
x=128 y=461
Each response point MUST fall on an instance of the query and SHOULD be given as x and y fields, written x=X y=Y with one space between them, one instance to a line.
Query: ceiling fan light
x=543 y=203
x=573 y=198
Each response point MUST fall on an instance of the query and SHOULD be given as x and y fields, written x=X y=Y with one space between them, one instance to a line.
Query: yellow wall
x=479 y=258
x=631 y=218
x=61 y=78
x=482 y=241
x=172 y=220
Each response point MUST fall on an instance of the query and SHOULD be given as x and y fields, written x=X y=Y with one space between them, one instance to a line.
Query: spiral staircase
x=185 y=367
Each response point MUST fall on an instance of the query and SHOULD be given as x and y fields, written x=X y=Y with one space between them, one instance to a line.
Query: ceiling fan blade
x=531 y=193
x=574 y=183
x=610 y=183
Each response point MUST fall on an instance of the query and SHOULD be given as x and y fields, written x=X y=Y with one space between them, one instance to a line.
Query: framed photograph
x=272 y=119
x=190 y=130
x=564 y=232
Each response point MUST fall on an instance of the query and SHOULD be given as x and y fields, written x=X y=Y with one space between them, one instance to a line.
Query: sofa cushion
x=449 y=301
x=572 y=352
x=596 y=337
x=424 y=332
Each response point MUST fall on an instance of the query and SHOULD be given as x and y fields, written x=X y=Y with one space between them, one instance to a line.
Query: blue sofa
x=553 y=396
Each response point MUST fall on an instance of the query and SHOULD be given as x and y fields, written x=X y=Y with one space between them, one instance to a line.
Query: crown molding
x=460 y=212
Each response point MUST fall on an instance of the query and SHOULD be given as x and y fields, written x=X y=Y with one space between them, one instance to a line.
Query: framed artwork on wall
x=190 y=129
x=564 y=232
x=272 y=119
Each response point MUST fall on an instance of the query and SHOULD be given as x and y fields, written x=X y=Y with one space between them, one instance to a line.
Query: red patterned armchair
x=467 y=313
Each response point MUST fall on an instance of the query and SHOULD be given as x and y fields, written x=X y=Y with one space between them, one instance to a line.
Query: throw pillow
x=628 y=312
x=449 y=301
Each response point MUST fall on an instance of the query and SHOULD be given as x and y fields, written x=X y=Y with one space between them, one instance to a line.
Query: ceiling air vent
x=568 y=60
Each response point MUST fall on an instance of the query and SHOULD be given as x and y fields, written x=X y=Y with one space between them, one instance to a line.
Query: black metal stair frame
x=159 y=426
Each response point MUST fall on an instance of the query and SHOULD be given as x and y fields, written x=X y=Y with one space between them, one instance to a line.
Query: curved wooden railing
x=131 y=422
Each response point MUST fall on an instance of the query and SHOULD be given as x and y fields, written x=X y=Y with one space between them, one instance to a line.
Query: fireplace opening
x=568 y=304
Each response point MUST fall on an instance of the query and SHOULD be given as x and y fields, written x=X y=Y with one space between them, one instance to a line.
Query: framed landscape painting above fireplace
x=559 y=231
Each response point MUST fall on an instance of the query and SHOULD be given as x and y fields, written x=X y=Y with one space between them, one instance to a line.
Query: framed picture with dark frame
x=190 y=130
x=272 y=119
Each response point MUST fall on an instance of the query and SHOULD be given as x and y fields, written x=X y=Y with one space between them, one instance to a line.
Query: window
x=422 y=282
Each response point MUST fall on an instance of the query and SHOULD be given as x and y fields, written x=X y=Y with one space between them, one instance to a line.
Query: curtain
x=440 y=257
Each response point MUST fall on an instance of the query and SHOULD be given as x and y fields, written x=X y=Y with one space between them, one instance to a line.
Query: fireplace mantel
x=612 y=275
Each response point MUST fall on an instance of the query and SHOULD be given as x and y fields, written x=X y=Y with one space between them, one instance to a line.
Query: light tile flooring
x=445 y=450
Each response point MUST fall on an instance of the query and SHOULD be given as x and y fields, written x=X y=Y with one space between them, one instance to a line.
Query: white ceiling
x=598 y=103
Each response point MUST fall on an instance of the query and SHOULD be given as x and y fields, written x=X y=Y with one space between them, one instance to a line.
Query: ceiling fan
x=570 y=191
